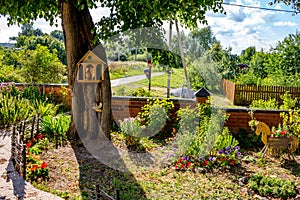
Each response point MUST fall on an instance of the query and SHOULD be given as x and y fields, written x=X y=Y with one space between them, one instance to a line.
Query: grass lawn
x=75 y=172
x=158 y=84
x=124 y=69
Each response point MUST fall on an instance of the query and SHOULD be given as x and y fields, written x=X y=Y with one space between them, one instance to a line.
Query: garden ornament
x=289 y=143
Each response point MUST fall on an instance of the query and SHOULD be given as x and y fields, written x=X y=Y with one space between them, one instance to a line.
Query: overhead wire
x=261 y=8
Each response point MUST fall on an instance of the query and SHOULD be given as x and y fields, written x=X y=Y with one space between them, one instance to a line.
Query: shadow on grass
x=93 y=172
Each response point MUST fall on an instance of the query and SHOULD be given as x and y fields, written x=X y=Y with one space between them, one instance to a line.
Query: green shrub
x=287 y=102
x=265 y=185
x=264 y=104
x=13 y=109
x=56 y=127
x=139 y=92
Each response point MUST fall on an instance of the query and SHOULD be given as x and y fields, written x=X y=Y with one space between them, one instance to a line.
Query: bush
x=272 y=186
x=56 y=127
x=139 y=92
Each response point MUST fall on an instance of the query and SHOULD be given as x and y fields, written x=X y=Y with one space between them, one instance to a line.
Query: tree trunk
x=77 y=27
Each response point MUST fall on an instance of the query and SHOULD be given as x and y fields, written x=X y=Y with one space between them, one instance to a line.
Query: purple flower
x=185 y=158
x=171 y=155
x=210 y=158
x=226 y=152
x=200 y=158
x=228 y=148
x=237 y=148
x=221 y=151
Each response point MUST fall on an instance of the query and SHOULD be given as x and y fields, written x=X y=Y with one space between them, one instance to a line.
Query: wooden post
x=169 y=70
x=32 y=127
x=98 y=196
x=117 y=194
x=183 y=61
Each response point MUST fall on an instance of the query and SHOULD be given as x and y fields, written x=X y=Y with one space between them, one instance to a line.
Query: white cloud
x=284 y=23
x=7 y=32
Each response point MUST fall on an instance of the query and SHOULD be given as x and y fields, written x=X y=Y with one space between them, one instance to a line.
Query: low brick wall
x=124 y=107
x=239 y=118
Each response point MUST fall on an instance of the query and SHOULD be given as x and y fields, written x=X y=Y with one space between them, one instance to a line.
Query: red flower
x=232 y=162
x=34 y=168
x=282 y=133
x=188 y=164
x=44 y=165
x=28 y=145
x=205 y=162
x=39 y=136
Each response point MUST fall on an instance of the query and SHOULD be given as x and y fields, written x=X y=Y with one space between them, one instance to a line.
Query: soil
x=74 y=173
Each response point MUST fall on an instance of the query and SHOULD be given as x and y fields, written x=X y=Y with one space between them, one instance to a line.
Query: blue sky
x=240 y=28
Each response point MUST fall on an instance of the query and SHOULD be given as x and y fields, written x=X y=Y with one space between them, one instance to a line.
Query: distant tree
x=27 y=30
x=38 y=32
x=289 y=54
x=31 y=42
x=8 y=72
x=226 y=62
x=247 y=54
x=58 y=35
x=195 y=43
x=41 y=66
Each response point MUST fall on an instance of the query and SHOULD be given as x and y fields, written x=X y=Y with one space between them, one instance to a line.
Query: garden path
x=122 y=81
x=12 y=185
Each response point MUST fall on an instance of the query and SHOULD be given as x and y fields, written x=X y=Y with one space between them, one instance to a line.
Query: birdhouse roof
x=202 y=92
x=91 y=57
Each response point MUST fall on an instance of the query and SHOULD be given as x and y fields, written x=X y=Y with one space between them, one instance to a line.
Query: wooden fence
x=21 y=132
x=245 y=94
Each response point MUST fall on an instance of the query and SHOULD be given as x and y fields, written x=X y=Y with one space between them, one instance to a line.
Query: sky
x=240 y=28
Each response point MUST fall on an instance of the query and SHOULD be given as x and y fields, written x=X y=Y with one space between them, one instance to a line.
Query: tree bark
x=78 y=32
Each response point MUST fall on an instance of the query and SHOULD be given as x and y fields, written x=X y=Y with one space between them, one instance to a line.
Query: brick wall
x=239 y=118
x=124 y=107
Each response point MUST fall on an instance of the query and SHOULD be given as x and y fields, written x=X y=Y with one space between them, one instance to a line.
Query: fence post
x=13 y=141
x=32 y=127
x=117 y=194
x=24 y=159
x=98 y=196
x=38 y=124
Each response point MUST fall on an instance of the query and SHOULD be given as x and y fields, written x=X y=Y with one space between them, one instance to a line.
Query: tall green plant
x=56 y=127
x=13 y=109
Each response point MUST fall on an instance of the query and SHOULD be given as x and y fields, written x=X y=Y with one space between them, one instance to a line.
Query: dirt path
x=12 y=186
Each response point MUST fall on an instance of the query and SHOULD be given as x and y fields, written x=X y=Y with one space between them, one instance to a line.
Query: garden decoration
x=91 y=70
x=277 y=139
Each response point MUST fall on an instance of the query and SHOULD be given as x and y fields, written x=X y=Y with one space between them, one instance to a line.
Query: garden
x=206 y=160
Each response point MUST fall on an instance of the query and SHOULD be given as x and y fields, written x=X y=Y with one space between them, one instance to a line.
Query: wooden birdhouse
x=90 y=68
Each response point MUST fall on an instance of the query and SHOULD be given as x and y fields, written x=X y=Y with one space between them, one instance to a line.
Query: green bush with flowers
x=229 y=156
x=36 y=169
x=201 y=141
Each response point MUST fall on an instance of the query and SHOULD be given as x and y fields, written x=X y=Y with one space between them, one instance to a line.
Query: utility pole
x=183 y=62
x=169 y=70
x=149 y=66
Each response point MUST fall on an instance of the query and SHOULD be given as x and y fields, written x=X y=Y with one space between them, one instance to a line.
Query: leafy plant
x=287 y=101
x=265 y=185
x=264 y=104
x=225 y=139
x=56 y=127
x=139 y=92
x=13 y=109
x=44 y=109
